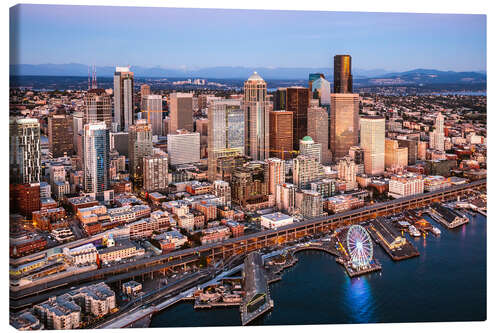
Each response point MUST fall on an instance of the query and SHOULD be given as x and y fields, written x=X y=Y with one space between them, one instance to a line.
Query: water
x=447 y=282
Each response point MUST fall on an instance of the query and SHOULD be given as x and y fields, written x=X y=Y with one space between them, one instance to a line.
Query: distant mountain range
x=361 y=77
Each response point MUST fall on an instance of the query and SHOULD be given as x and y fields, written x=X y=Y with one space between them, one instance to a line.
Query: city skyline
x=203 y=38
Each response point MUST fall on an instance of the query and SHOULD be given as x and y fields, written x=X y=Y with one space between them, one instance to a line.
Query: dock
x=397 y=247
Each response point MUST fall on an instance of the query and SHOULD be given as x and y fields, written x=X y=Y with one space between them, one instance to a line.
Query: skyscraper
x=279 y=99
x=344 y=124
x=320 y=90
x=140 y=145
x=318 y=128
x=305 y=170
x=276 y=174
x=313 y=77
x=297 y=101
x=373 y=143
x=183 y=147
x=96 y=157
x=256 y=111
x=437 y=135
x=152 y=105
x=181 y=112
x=145 y=90
x=25 y=153
x=395 y=157
x=342 y=77
x=123 y=95
x=155 y=172
x=226 y=127
x=60 y=128
x=281 y=134
x=97 y=107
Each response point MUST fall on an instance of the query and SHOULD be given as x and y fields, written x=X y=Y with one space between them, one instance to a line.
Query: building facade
x=373 y=143
x=123 y=91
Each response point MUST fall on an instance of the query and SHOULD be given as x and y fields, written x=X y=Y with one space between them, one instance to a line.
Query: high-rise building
x=395 y=157
x=347 y=169
x=276 y=173
x=145 y=90
x=25 y=153
x=342 y=77
x=311 y=203
x=155 y=172
x=437 y=135
x=305 y=170
x=152 y=106
x=373 y=143
x=183 y=147
x=226 y=128
x=96 y=157
x=317 y=129
x=97 y=107
x=279 y=99
x=61 y=136
x=344 y=124
x=256 y=109
x=358 y=156
x=308 y=147
x=249 y=186
x=297 y=101
x=285 y=197
x=412 y=146
x=223 y=191
x=313 y=77
x=281 y=134
x=124 y=98
x=140 y=145
x=181 y=112
x=321 y=91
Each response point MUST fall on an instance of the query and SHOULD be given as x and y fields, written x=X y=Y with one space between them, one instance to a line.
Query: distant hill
x=361 y=76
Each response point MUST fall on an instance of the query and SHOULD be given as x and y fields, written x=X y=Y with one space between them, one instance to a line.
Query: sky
x=197 y=38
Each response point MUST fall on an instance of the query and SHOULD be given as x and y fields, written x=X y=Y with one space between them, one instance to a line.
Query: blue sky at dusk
x=195 y=38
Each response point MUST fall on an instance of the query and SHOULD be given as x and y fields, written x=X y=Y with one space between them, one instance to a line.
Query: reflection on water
x=358 y=298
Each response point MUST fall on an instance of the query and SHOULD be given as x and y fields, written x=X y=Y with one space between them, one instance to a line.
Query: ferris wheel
x=360 y=246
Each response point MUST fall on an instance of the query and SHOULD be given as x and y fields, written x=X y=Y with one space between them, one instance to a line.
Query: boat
x=414 y=231
x=436 y=231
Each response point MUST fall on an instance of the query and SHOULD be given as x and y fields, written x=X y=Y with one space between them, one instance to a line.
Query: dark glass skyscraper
x=342 y=77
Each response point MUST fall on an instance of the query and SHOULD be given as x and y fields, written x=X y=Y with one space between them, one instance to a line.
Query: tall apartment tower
x=281 y=134
x=373 y=143
x=256 y=111
x=152 y=106
x=140 y=145
x=318 y=128
x=342 y=77
x=276 y=174
x=305 y=170
x=347 y=170
x=344 y=123
x=60 y=128
x=297 y=101
x=437 y=135
x=155 y=172
x=97 y=107
x=181 y=112
x=25 y=153
x=96 y=157
x=123 y=95
x=225 y=132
